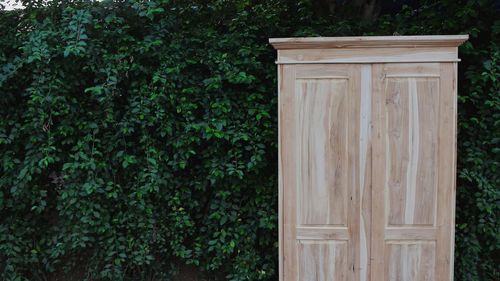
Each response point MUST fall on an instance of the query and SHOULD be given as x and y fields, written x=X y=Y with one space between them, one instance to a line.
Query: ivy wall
x=138 y=139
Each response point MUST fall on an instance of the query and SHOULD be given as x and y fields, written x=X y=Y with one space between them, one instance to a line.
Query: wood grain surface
x=367 y=158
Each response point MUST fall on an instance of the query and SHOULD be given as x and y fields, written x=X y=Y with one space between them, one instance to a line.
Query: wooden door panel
x=411 y=141
x=323 y=261
x=319 y=181
x=322 y=163
x=410 y=261
x=412 y=200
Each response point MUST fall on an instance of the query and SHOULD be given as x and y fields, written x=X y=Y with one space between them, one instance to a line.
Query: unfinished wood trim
x=429 y=233
x=365 y=172
x=280 y=181
x=318 y=71
x=354 y=134
x=322 y=233
x=378 y=209
x=368 y=41
x=446 y=172
x=368 y=55
x=287 y=174
x=453 y=171
x=412 y=69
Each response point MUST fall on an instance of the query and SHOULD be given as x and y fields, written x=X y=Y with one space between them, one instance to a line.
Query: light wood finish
x=365 y=173
x=367 y=158
x=287 y=173
x=322 y=233
x=365 y=55
x=412 y=178
x=412 y=261
x=319 y=121
x=322 y=167
x=447 y=171
x=368 y=49
x=323 y=261
x=368 y=42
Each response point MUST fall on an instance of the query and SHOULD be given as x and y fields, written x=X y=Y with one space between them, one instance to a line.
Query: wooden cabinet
x=367 y=137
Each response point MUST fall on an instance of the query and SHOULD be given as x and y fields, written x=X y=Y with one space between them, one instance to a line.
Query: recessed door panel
x=411 y=140
x=322 y=164
x=323 y=260
x=410 y=261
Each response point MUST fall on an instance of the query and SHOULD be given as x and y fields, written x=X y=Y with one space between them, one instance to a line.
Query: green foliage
x=479 y=194
x=136 y=136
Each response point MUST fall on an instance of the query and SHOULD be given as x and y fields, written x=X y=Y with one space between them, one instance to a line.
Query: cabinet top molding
x=368 y=42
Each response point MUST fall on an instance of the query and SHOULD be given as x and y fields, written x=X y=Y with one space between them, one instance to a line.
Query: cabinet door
x=413 y=171
x=320 y=171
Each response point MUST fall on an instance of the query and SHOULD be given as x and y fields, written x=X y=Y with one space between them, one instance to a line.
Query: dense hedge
x=138 y=138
